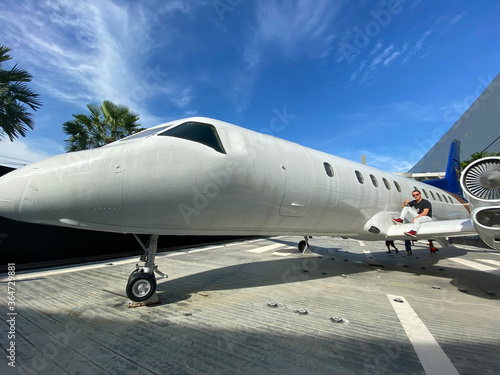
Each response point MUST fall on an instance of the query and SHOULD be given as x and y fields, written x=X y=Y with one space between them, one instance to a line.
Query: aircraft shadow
x=328 y=263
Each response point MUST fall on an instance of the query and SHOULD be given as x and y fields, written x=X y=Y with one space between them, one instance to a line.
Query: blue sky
x=381 y=78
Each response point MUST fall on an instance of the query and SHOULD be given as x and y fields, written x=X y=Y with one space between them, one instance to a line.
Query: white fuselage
x=259 y=185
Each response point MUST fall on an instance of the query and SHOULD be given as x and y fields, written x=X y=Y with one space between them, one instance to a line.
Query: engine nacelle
x=481 y=184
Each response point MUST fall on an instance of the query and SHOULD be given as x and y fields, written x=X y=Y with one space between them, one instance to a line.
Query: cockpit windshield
x=205 y=134
x=146 y=133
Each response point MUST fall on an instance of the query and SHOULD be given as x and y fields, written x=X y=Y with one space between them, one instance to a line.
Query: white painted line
x=285 y=252
x=266 y=248
x=431 y=356
x=361 y=243
x=477 y=266
x=465 y=247
x=23 y=275
x=369 y=255
x=490 y=261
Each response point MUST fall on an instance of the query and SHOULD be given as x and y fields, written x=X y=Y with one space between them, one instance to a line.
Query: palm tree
x=15 y=97
x=476 y=156
x=105 y=124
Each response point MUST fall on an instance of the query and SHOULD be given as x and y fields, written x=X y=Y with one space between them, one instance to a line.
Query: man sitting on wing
x=420 y=210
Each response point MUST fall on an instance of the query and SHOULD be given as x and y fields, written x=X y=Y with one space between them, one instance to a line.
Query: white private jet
x=200 y=176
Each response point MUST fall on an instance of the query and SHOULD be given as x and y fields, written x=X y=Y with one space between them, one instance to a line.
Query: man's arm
x=405 y=203
x=424 y=212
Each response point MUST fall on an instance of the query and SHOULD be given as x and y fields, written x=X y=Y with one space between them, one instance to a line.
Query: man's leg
x=420 y=220
x=408 y=211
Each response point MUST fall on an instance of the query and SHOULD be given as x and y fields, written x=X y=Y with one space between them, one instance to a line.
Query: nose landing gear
x=141 y=284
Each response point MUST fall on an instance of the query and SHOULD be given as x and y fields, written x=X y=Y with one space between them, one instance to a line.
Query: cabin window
x=360 y=177
x=205 y=134
x=439 y=197
x=387 y=184
x=425 y=193
x=432 y=195
x=328 y=169
x=397 y=186
x=374 y=180
x=451 y=199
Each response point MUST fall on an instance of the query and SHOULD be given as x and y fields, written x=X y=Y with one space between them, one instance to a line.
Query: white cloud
x=385 y=58
x=357 y=72
x=420 y=42
x=388 y=61
x=22 y=151
x=381 y=57
x=87 y=52
x=298 y=26
x=411 y=111
x=386 y=163
x=377 y=48
x=295 y=28
x=446 y=24
x=457 y=18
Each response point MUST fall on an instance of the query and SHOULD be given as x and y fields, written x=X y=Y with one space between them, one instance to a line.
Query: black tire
x=302 y=246
x=135 y=272
x=141 y=286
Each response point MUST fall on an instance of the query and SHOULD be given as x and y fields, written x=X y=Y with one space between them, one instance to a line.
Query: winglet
x=451 y=180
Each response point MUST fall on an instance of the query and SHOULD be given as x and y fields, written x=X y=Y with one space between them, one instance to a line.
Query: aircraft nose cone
x=11 y=190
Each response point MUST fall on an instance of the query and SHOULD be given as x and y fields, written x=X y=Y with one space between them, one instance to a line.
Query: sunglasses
x=415 y=195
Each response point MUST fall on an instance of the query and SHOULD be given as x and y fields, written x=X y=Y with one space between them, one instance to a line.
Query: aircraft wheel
x=132 y=274
x=141 y=286
x=302 y=246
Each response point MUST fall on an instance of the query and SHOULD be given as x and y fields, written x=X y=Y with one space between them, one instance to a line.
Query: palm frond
x=15 y=99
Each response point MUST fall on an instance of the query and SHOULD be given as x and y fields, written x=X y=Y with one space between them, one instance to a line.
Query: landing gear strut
x=304 y=244
x=141 y=284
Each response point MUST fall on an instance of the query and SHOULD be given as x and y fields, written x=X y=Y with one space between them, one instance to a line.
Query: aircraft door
x=299 y=185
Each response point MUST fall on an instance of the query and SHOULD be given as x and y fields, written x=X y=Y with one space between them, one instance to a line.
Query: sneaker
x=397 y=221
x=411 y=233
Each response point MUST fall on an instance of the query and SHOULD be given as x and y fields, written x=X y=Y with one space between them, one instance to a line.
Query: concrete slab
x=333 y=312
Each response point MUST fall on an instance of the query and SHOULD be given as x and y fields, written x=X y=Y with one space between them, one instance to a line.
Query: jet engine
x=481 y=184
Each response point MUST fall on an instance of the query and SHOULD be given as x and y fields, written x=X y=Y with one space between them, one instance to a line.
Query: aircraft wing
x=434 y=229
